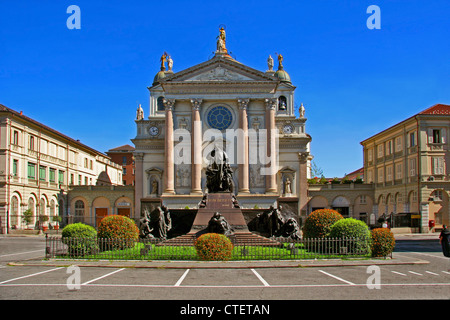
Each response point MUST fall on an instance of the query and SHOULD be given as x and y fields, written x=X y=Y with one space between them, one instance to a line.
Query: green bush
x=213 y=247
x=319 y=222
x=383 y=242
x=352 y=228
x=80 y=238
x=117 y=232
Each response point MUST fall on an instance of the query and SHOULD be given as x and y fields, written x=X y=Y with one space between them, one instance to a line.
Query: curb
x=218 y=264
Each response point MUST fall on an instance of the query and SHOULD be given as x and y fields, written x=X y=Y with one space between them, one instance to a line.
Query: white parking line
x=182 y=278
x=446 y=272
x=265 y=283
x=104 y=276
x=30 y=275
x=431 y=273
x=14 y=254
x=402 y=274
x=419 y=274
x=340 y=279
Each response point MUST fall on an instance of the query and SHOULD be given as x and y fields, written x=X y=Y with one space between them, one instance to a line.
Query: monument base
x=225 y=203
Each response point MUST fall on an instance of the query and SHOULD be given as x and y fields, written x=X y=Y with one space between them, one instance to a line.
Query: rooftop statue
x=221 y=41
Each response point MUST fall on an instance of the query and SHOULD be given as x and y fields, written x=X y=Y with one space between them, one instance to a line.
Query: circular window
x=219 y=118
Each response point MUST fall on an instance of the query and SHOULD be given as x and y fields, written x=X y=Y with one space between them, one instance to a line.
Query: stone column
x=303 y=182
x=271 y=182
x=169 y=176
x=196 y=148
x=139 y=182
x=243 y=164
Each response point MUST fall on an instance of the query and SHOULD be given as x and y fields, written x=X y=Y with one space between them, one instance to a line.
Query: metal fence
x=184 y=249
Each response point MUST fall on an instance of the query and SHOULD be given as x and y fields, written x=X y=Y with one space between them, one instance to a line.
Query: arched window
x=42 y=205
x=32 y=208
x=52 y=208
x=14 y=214
x=282 y=103
x=160 y=104
x=79 y=211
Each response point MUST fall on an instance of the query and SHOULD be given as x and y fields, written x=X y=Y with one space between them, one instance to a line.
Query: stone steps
x=238 y=239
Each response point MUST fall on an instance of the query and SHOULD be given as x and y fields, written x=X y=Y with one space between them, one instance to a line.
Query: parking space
x=242 y=277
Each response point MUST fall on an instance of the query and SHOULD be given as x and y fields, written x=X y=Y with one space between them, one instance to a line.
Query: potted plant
x=56 y=220
x=42 y=220
x=27 y=217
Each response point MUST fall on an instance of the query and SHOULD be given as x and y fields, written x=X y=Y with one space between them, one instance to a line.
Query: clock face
x=288 y=129
x=153 y=131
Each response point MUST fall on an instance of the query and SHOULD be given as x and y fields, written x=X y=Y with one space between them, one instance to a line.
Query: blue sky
x=353 y=81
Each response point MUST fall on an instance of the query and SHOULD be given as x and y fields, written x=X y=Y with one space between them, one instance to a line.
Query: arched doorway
x=341 y=204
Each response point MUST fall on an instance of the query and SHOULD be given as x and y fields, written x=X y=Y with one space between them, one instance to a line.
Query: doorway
x=100 y=213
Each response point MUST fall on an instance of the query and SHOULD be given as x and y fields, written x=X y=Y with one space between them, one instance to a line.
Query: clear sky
x=353 y=81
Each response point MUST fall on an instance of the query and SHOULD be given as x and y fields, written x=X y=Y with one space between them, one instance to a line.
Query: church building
x=222 y=103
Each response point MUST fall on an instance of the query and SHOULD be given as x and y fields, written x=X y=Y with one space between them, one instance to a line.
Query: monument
x=219 y=210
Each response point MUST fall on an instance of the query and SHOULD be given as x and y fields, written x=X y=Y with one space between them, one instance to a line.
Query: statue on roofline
x=221 y=41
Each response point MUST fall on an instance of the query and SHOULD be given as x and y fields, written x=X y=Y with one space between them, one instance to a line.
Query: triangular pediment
x=219 y=69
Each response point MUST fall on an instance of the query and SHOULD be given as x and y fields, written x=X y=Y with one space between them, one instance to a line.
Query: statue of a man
x=270 y=63
x=218 y=172
x=170 y=63
x=218 y=224
x=139 y=113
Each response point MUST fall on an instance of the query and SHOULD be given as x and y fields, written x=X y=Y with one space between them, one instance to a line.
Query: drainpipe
x=419 y=196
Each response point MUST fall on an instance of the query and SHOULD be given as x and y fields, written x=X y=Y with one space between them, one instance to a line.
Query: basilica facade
x=222 y=104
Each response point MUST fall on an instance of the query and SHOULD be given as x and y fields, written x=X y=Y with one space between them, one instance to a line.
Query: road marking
x=431 y=273
x=14 y=254
x=265 y=283
x=446 y=272
x=415 y=273
x=340 y=279
x=402 y=274
x=31 y=275
x=182 y=278
x=104 y=276
x=230 y=286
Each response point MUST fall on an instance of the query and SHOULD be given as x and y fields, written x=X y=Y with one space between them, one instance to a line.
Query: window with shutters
x=412 y=167
x=436 y=135
x=438 y=165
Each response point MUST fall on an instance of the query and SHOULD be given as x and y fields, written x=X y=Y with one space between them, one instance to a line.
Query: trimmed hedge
x=213 y=247
x=318 y=223
x=120 y=231
x=80 y=238
x=383 y=242
x=352 y=228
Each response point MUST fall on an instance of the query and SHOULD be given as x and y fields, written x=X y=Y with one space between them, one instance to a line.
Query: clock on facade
x=288 y=129
x=153 y=131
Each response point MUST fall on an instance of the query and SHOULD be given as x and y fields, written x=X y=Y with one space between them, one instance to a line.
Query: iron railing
x=183 y=249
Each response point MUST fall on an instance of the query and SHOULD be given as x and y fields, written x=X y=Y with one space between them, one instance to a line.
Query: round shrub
x=117 y=232
x=383 y=242
x=80 y=239
x=319 y=222
x=352 y=229
x=213 y=247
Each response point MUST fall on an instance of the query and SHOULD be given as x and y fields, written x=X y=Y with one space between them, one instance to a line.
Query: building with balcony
x=408 y=166
x=38 y=165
